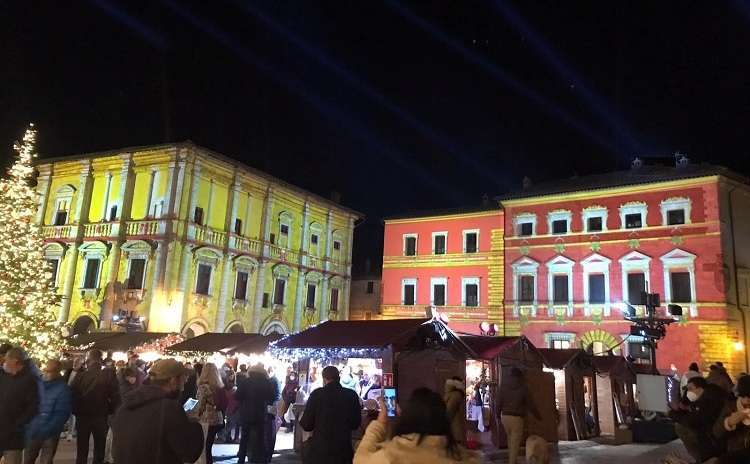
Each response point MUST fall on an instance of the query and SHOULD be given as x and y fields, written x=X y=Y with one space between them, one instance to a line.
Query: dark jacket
x=514 y=398
x=151 y=428
x=190 y=390
x=54 y=410
x=331 y=413
x=255 y=393
x=703 y=412
x=737 y=439
x=19 y=403
x=95 y=392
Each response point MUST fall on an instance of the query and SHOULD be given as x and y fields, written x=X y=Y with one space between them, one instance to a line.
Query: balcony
x=313 y=262
x=245 y=245
x=337 y=267
x=283 y=254
x=207 y=235
x=59 y=232
x=146 y=227
x=101 y=229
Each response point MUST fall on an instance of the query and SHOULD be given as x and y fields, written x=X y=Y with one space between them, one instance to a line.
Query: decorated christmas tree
x=27 y=298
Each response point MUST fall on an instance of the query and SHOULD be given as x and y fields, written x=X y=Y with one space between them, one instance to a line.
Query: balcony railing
x=245 y=245
x=283 y=254
x=148 y=227
x=206 y=234
x=101 y=229
x=66 y=231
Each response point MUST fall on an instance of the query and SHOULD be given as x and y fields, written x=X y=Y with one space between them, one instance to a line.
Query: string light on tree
x=27 y=298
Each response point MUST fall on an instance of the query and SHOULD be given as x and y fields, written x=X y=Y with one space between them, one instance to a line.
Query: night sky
x=396 y=105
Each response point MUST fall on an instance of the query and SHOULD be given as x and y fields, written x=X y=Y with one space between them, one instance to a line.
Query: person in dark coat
x=191 y=384
x=19 y=403
x=733 y=425
x=255 y=394
x=95 y=396
x=694 y=422
x=54 y=410
x=332 y=413
x=151 y=427
x=514 y=403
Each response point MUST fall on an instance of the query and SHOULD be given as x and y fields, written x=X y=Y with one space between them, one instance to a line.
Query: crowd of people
x=712 y=416
x=166 y=412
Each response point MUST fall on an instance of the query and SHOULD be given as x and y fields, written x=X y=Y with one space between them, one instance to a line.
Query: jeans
x=86 y=426
x=12 y=456
x=47 y=447
x=514 y=429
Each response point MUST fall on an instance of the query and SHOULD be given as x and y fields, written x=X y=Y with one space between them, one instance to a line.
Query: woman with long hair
x=210 y=408
x=422 y=434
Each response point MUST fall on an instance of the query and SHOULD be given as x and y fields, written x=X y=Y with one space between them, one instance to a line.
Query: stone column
x=157 y=282
x=81 y=213
x=260 y=287
x=107 y=188
x=70 y=277
x=234 y=202
x=209 y=209
x=265 y=225
x=127 y=187
x=43 y=188
x=225 y=294
x=194 y=191
x=298 y=301
x=175 y=196
x=246 y=225
x=324 y=299
x=183 y=281
x=344 y=309
x=150 y=196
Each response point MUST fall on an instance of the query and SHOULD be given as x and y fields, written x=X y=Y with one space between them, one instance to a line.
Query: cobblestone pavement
x=581 y=452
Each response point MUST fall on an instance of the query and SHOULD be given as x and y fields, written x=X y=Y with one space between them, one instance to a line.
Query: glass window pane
x=440 y=244
x=137 y=270
x=472 y=294
x=633 y=221
x=240 y=288
x=596 y=288
x=471 y=242
x=278 y=294
x=560 y=289
x=594 y=224
x=636 y=285
x=409 y=294
x=681 y=287
x=334 y=299
x=526 y=229
x=203 y=283
x=676 y=216
x=526 y=294
x=91 y=278
x=560 y=226
x=438 y=293
x=411 y=246
x=310 y=303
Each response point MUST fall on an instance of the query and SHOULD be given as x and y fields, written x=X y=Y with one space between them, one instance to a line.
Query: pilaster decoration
x=324 y=301
x=150 y=195
x=107 y=189
x=260 y=288
x=209 y=209
x=43 y=184
x=224 y=293
x=679 y=260
x=175 y=195
x=329 y=236
x=266 y=220
x=304 y=245
x=194 y=186
x=127 y=187
x=248 y=211
x=70 y=275
x=348 y=279
x=305 y=229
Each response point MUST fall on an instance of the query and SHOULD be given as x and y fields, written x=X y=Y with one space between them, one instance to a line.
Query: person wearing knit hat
x=733 y=425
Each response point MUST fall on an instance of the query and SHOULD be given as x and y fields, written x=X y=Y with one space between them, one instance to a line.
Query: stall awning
x=369 y=337
x=114 y=341
x=224 y=343
x=560 y=358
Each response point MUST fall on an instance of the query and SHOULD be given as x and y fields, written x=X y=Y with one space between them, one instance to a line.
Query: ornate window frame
x=208 y=257
x=280 y=272
x=243 y=264
x=55 y=252
x=559 y=265
x=525 y=266
x=596 y=264
x=557 y=215
x=463 y=241
x=440 y=234
x=569 y=337
x=634 y=261
x=524 y=218
x=285 y=219
x=633 y=207
x=416 y=244
x=679 y=259
x=64 y=202
x=317 y=230
x=594 y=211
x=675 y=203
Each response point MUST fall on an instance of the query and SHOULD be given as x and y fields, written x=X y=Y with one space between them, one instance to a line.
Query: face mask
x=692 y=396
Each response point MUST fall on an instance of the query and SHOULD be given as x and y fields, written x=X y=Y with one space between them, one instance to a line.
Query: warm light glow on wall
x=738 y=346
x=165 y=313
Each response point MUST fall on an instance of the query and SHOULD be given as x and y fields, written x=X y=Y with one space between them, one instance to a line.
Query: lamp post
x=651 y=327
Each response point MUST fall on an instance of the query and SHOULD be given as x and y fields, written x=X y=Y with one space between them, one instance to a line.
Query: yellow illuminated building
x=177 y=238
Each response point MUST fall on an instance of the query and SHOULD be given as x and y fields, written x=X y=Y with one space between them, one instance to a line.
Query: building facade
x=177 y=238
x=577 y=250
x=452 y=261
x=366 y=297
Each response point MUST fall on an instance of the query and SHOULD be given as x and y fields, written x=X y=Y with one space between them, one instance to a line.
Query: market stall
x=575 y=391
x=501 y=354
x=232 y=348
x=615 y=392
x=150 y=346
x=405 y=353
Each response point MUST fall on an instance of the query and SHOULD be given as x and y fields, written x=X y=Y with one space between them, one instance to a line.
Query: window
x=198 y=215
x=238 y=226
x=410 y=245
x=470 y=291
x=336 y=245
x=596 y=288
x=471 y=242
x=438 y=292
x=680 y=285
x=560 y=344
x=310 y=301
x=334 y=299
x=370 y=286
x=636 y=285
x=438 y=243
x=559 y=340
x=526 y=229
x=598 y=348
x=91 y=277
x=408 y=292
x=526 y=289
x=54 y=265
x=113 y=213
x=560 y=226
x=272 y=238
x=560 y=289
x=203 y=282
x=61 y=217
x=594 y=224
x=284 y=229
x=633 y=221
x=278 y=292
x=633 y=215
x=240 y=286
x=266 y=299
x=675 y=217
x=639 y=350
x=136 y=273
x=314 y=239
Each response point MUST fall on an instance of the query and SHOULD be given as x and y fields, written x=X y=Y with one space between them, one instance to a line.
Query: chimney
x=681 y=160
x=485 y=200
x=637 y=163
x=526 y=182
x=335 y=196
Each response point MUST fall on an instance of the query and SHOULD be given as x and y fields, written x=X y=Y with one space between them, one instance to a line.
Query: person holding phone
x=421 y=434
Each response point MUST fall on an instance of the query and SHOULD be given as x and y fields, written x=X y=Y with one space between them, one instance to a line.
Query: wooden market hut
x=111 y=342
x=615 y=392
x=575 y=391
x=504 y=353
x=225 y=343
x=415 y=352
